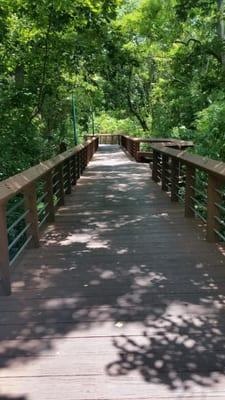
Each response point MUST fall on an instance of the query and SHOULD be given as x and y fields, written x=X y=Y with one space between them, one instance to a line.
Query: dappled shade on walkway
x=124 y=300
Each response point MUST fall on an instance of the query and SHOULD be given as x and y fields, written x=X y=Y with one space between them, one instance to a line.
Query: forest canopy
x=141 y=67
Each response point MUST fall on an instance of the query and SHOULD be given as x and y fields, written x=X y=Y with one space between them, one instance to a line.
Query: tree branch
x=206 y=50
x=189 y=41
x=41 y=94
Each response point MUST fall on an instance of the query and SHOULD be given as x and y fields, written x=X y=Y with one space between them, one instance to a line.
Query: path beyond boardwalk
x=124 y=300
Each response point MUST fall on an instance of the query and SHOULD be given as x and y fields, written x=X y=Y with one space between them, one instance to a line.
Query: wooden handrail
x=132 y=145
x=168 y=141
x=204 y=163
x=105 y=138
x=41 y=190
x=198 y=181
x=13 y=185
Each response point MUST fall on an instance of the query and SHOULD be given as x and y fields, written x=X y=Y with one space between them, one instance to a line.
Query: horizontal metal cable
x=20 y=251
x=18 y=220
x=19 y=236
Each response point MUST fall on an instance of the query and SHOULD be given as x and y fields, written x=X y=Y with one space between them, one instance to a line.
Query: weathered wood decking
x=125 y=300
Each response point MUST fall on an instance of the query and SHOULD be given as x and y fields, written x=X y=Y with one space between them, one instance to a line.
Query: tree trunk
x=132 y=108
x=19 y=77
x=141 y=120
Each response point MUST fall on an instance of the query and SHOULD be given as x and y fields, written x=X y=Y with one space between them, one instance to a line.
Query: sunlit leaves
x=48 y=49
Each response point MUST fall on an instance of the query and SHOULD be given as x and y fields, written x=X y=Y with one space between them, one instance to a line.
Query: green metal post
x=74 y=120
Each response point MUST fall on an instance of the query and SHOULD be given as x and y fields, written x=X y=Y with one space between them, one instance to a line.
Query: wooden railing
x=29 y=200
x=196 y=181
x=133 y=145
x=106 y=138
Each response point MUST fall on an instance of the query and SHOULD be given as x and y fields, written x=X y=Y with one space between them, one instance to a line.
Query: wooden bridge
x=119 y=295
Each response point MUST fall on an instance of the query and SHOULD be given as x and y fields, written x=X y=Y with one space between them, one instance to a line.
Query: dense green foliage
x=172 y=68
x=48 y=49
x=143 y=67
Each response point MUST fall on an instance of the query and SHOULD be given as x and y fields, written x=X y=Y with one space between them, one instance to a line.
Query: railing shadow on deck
x=178 y=304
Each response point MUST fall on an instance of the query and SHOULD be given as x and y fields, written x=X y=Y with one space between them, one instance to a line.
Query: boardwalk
x=124 y=300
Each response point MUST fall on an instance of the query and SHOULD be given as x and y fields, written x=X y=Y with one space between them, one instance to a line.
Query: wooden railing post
x=79 y=163
x=86 y=156
x=61 y=185
x=189 y=192
x=175 y=164
x=68 y=169
x=74 y=170
x=132 y=148
x=213 y=198
x=155 y=177
x=50 y=209
x=30 y=201
x=165 y=160
x=126 y=143
x=90 y=152
x=4 y=253
x=137 y=149
x=82 y=160
x=129 y=146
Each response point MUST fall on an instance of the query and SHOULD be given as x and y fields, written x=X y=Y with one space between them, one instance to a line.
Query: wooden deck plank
x=74 y=387
x=124 y=300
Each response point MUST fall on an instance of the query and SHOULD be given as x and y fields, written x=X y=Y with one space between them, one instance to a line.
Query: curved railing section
x=30 y=199
x=133 y=146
